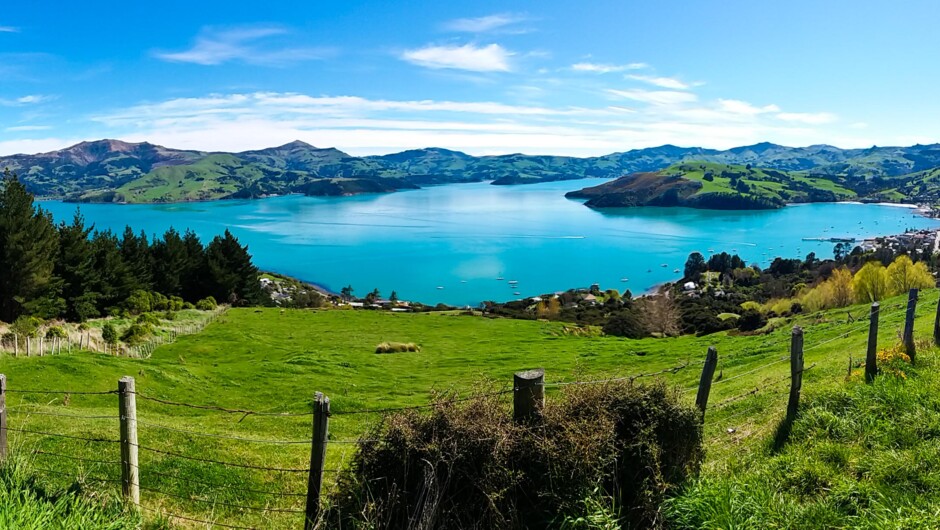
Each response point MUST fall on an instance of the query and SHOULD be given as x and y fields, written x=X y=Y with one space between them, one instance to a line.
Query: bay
x=451 y=243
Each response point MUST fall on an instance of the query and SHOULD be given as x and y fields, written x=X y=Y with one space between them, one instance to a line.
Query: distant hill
x=714 y=186
x=116 y=171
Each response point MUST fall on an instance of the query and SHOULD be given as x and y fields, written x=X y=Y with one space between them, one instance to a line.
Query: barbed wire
x=57 y=435
x=220 y=462
x=244 y=412
x=673 y=370
x=17 y=408
x=193 y=520
x=220 y=436
x=58 y=474
x=222 y=486
x=78 y=458
x=54 y=392
x=418 y=407
x=221 y=503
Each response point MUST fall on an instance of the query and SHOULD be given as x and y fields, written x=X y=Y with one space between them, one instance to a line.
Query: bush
x=26 y=326
x=169 y=315
x=468 y=465
x=175 y=303
x=56 y=332
x=109 y=333
x=751 y=320
x=136 y=333
x=206 y=304
x=188 y=305
x=624 y=323
x=149 y=319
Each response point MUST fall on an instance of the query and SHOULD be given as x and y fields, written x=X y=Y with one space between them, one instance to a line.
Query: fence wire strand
x=221 y=503
x=56 y=435
x=193 y=520
x=220 y=462
x=221 y=436
x=78 y=458
x=222 y=486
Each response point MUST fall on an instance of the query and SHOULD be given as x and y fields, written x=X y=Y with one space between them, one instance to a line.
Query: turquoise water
x=463 y=237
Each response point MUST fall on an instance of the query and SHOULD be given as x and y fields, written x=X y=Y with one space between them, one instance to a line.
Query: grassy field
x=268 y=360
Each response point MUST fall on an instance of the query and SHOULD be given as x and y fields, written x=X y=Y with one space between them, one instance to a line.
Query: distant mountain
x=116 y=171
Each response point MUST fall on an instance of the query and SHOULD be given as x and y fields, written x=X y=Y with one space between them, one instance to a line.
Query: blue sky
x=483 y=77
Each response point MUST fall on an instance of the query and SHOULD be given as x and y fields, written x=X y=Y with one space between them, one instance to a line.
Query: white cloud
x=662 y=82
x=655 y=97
x=809 y=118
x=215 y=46
x=30 y=99
x=26 y=128
x=491 y=58
x=9 y=29
x=735 y=106
x=485 y=24
x=360 y=126
x=607 y=68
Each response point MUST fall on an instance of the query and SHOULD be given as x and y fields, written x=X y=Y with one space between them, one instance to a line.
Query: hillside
x=714 y=186
x=271 y=360
x=115 y=171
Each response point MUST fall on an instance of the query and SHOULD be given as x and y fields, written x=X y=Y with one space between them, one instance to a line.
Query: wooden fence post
x=528 y=394
x=705 y=383
x=796 y=372
x=27 y=346
x=871 y=360
x=321 y=425
x=909 y=324
x=130 y=471
x=936 y=326
x=16 y=344
x=3 y=417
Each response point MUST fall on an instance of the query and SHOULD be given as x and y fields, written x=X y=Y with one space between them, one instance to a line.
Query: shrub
x=169 y=315
x=188 y=305
x=468 y=465
x=109 y=333
x=175 y=303
x=56 y=332
x=396 y=347
x=149 y=319
x=136 y=333
x=206 y=304
x=751 y=320
x=26 y=326
x=138 y=302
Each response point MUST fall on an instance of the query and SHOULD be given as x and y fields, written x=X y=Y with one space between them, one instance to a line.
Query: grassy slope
x=266 y=360
x=213 y=177
x=763 y=183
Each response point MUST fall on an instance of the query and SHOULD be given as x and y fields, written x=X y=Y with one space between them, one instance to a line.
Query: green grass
x=762 y=182
x=273 y=361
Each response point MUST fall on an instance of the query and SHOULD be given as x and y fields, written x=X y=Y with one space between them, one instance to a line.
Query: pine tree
x=195 y=275
x=135 y=249
x=74 y=266
x=28 y=245
x=169 y=263
x=232 y=276
x=115 y=281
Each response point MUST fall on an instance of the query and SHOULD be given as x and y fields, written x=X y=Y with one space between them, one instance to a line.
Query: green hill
x=111 y=170
x=715 y=186
x=271 y=360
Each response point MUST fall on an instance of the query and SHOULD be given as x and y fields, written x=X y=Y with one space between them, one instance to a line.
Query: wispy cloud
x=249 y=44
x=655 y=97
x=499 y=22
x=9 y=29
x=601 y=68
x=491 y=58
x=661 y=82
x=31 y=99
x=735 y=106
x=28 y=128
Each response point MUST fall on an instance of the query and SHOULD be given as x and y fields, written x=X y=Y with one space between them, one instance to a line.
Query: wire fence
x=279 y=493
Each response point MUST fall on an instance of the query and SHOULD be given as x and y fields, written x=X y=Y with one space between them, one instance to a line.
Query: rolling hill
x=715 y=186
x=116 y=171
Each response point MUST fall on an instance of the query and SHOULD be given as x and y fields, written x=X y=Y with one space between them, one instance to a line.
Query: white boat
x=625 y=279
x=440 y=286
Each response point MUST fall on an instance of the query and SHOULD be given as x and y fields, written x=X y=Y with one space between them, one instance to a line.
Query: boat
x=499 y=279
x=664 y=265
x=440 y=286
x=517 y=293
x=625 y=279
x=513 y=281
x=675 y=270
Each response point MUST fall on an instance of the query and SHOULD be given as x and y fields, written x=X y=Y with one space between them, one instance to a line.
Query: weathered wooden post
x=871 y=359
x=936 y=325
x=528 y=394
x=796 y=371
x=16 y=345
x=321 y=424
x=3 y=417
x=705 y=383
x=130 y=471
x=909 y=324
x=27 y=346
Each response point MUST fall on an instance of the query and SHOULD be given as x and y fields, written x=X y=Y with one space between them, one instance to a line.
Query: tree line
x=75 y=272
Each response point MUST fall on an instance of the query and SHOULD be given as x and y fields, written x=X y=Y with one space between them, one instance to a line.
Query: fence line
x=528 y=397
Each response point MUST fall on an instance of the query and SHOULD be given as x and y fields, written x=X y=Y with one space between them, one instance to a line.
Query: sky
x=483 y=77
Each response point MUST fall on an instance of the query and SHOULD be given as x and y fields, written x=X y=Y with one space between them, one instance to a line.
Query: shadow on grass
x=781 y=435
